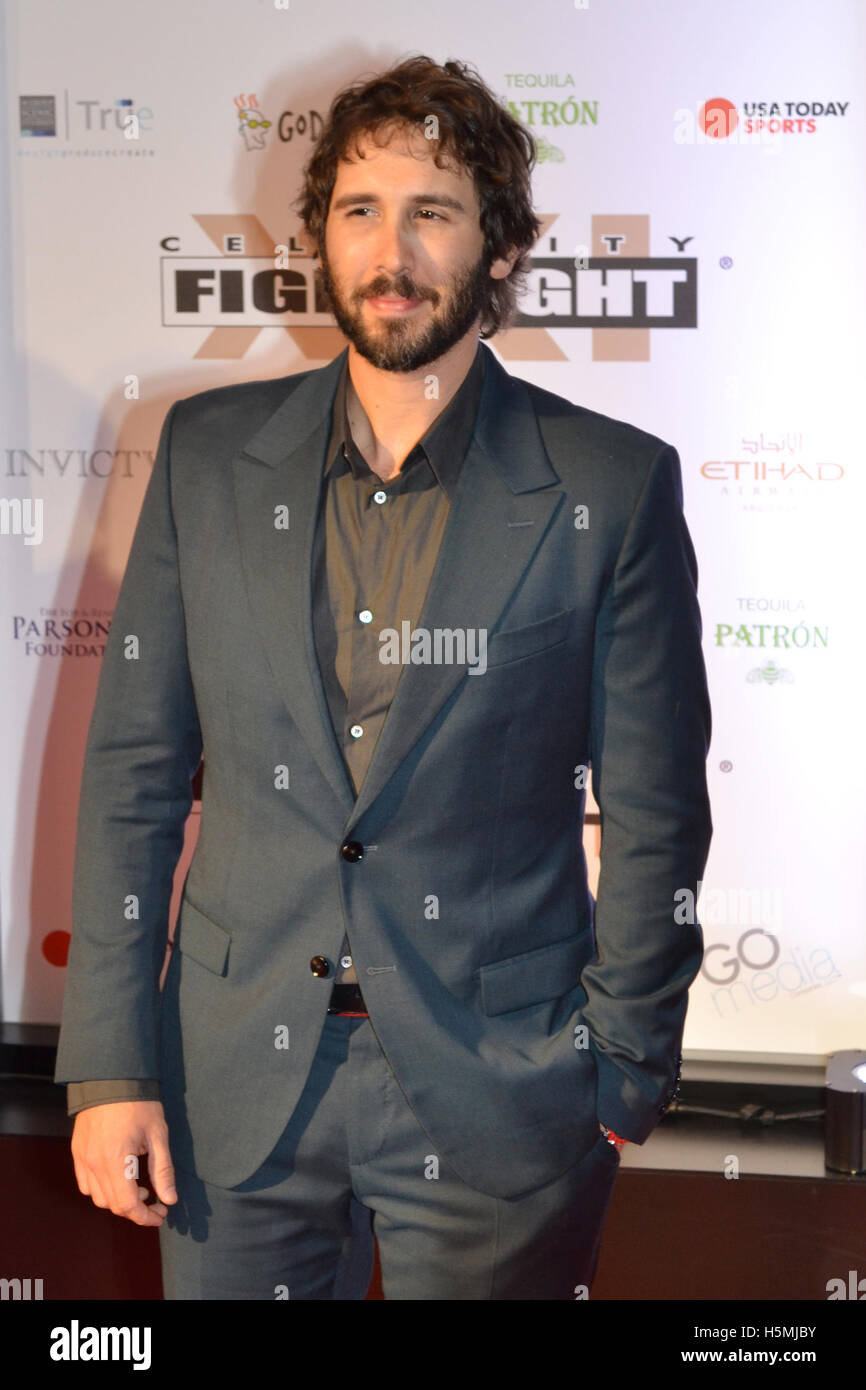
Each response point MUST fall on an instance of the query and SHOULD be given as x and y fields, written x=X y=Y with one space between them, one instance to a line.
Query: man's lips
x=394 y=303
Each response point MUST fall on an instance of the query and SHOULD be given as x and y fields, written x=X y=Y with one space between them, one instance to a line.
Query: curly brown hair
x=474 y=130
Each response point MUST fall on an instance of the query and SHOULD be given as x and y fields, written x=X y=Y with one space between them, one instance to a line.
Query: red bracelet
x=615 y=1139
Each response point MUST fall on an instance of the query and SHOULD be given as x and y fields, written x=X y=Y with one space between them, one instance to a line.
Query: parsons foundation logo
x=613 y=287
x=78 y=632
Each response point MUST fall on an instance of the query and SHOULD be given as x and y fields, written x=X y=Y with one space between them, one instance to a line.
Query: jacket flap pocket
x=534 y=976
x=204 y=940
x=516 y=642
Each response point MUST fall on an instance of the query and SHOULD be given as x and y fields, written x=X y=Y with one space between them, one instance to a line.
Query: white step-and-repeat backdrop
x=700 y=274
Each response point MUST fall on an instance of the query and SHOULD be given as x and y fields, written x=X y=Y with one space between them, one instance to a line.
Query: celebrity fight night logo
x=614 y=287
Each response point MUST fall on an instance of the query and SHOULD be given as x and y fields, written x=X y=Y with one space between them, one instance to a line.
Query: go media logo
x=772 y=973
x=753 y=969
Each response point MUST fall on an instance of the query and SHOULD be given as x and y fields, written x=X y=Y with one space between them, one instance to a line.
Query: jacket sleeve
x=143 y=747
x=82 y=1095
x=650 y=727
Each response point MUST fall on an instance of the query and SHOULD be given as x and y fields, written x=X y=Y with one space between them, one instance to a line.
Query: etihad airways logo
x=612 y=286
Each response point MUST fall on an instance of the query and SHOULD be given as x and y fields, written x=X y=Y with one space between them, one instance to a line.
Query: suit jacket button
x=320 y=966
x=352 y=850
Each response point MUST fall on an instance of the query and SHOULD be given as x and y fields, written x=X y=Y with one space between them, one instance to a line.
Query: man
x=399 y=606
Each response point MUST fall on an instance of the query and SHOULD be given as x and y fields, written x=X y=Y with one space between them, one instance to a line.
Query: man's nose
x=391 y=251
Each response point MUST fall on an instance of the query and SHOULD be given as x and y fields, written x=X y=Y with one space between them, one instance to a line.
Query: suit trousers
x=354 y=1163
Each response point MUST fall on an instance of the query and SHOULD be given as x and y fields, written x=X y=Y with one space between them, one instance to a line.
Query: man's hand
x=107 y=1142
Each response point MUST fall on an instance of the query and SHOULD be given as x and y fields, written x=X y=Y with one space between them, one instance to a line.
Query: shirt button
x=380 y=496
x=356 y=730
x=365 y=615
x=345 y=961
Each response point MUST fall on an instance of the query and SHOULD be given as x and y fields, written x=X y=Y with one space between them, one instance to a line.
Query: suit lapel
x=504 y=502
x=277 y=562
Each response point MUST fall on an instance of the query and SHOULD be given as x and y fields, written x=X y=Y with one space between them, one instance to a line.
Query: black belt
x=347 y=999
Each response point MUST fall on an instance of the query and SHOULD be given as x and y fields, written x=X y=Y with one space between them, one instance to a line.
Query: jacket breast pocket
x=202 y=939
x=534 y=977
x=517 y=642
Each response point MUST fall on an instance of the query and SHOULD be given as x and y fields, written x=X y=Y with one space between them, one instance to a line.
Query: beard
x=400 y=344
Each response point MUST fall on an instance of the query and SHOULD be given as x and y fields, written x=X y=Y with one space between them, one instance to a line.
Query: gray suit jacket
x=479 y=947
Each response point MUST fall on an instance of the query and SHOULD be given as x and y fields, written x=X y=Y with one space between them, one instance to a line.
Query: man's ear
x=503 y=265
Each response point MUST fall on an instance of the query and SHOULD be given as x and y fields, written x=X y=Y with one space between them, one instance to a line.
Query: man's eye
x=427 y=211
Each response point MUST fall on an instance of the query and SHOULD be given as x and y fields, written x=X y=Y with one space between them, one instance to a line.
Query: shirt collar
x=444 y=445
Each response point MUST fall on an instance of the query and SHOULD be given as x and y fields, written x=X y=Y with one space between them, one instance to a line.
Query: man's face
x=404 y=262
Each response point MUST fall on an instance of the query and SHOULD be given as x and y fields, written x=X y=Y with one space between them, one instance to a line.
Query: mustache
x=403 y=287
